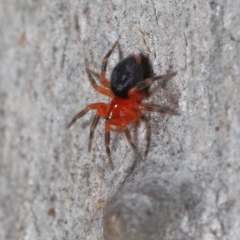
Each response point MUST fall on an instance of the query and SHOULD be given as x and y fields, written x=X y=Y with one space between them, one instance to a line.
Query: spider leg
x=100 y=89
x=165 y=76
x=163 y=110
x=103 y=79
x=94 y=124
x=133 y=146
x=99 y=106
x=146 y=83
x=107 y=142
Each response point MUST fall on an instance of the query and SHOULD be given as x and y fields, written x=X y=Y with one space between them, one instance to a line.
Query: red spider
x=126 y=89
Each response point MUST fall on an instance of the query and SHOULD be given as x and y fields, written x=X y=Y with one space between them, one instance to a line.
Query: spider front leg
x=103 y=79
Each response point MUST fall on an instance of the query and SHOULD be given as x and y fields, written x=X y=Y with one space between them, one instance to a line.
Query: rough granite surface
x=52 y=188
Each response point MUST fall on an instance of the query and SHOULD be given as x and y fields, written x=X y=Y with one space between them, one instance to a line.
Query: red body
x=121 y=111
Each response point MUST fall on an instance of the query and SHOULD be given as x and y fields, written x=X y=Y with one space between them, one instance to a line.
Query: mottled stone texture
x=187 y=187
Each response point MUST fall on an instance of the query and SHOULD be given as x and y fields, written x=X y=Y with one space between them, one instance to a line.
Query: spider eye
x=108 y=118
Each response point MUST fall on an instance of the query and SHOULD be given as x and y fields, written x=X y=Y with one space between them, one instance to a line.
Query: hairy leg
x=163 y=110
x=103 y=79
x=129 y=138
x=101 y=107
x=94 y=124
x=134 y=92
x=100 y=89
x=107 y=142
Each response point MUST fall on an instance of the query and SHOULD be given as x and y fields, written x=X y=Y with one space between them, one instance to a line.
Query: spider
x=126 y=90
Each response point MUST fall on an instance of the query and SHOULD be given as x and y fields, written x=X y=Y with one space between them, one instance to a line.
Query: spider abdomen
x=126 y=75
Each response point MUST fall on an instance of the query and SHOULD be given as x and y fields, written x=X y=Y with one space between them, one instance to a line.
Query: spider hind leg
x=133 y=146
x=107 y=143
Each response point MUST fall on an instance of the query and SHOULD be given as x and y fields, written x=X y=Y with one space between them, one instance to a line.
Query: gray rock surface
x=52 y=188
